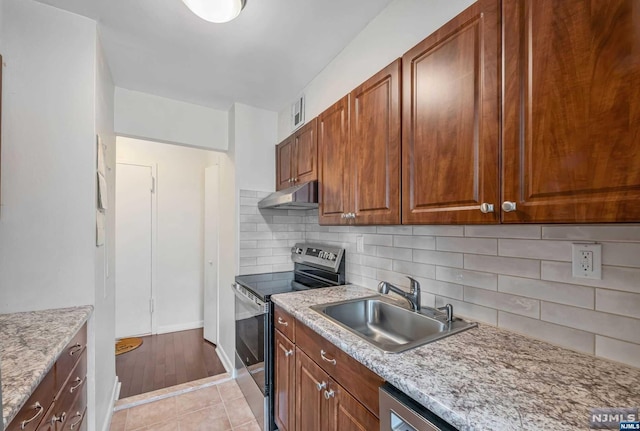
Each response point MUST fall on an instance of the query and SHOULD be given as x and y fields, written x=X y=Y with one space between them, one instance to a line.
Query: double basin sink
x=388 y=326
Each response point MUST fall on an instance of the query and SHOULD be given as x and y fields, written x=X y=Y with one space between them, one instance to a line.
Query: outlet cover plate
x=586 y=260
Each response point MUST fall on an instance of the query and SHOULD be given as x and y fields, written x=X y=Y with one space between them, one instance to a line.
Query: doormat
x=127 y=344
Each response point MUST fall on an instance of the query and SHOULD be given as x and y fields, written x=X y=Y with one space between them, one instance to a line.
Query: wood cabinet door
x=375 y=148
x=284 y=159
x=284 y=383
x=451 y=121
x=571 y=129
x=305 y=163
x=347 y=414
x=333 y=163
x=312 y=409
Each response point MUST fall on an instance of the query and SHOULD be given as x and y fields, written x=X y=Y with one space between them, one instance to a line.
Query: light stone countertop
x=485 y=378
x=30 y=343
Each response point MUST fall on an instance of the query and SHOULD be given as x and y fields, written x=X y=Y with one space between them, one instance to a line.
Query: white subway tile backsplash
x=249 y=201
x=613 y=277
x=527 y=287
x=483 y=280
x=395 y=253
x=247 y=194
x=468 y=245
x=611 y=325
x=395 y=230
x=569 y=294
x=442 y=258
x=439 y=230
x=414 y=269
x=503 y=301
x=535 y=249
x=561 y=335
x=616 y=350
x=617 y=233
x=248 y=227
x=503 y=231
x=503 y=265
x=419 y=242
x=254 y=252
x=616 y=302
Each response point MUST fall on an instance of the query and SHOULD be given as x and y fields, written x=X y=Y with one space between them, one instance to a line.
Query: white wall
x=104 y=313
x=255 y=140
x=179 y=281
x=146 y=116
x=47 y=227
x=394 y=31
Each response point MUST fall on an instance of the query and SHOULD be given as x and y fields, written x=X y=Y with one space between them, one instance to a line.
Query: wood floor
x=167 y=360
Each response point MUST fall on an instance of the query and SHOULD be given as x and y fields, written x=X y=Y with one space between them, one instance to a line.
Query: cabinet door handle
x=486 y=208
x=75 y=349
x=329 y=394
x=60 y=418
x=39 y=410
x=76 y=423
x=324 y=358
x=283 y=322
x=288 y=352
x=79 y=383
x=508 y=206
x=321 y=386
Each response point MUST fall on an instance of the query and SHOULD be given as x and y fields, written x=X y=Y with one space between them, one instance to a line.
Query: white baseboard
x=115 y=393
x=224 y=358
x=180 y=327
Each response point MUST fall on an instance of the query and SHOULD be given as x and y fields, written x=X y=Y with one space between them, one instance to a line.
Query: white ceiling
x=263 y=58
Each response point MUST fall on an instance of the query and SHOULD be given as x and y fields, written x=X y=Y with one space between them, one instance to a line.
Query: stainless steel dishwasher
x=399 y=412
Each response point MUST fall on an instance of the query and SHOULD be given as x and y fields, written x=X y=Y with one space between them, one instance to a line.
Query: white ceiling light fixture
x=217 y=11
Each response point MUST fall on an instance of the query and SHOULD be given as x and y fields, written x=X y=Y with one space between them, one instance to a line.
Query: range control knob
x=296 y=250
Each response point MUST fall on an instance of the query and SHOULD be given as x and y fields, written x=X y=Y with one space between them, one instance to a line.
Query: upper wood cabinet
x=375 y=148
x=451 y=122
x=571 y=129
x=297 y=157
x=333 y=163
x=359 y=147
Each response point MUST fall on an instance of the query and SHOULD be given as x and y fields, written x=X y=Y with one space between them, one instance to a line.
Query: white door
x=134 y=187
x=211 y=221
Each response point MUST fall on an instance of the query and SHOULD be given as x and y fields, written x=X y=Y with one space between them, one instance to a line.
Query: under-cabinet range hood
x=301 y=197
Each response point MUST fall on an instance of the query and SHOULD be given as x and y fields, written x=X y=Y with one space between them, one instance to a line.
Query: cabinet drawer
x=69 y=356
x=36 y=406
x=357 y=379
x=284 y=322
x=74 y=383
x=76 y=413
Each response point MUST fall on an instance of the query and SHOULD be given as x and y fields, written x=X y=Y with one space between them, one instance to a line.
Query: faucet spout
x=413 y=296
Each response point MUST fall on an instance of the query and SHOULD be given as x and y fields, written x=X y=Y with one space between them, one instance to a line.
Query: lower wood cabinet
x=311 y=395
x=59 y=403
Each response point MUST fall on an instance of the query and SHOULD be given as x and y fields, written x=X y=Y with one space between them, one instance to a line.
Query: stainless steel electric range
x=315 y=266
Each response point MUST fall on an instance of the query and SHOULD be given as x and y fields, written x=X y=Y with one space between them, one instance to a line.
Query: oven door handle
x=246 y=300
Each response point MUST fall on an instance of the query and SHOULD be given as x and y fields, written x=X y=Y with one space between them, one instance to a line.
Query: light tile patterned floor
x=221 y=407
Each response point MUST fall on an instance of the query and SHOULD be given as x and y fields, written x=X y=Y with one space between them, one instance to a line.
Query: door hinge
x=153 y=184
x=151 y=306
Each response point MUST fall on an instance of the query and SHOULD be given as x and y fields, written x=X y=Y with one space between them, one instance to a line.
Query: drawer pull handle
x=288 y=352
x=324 y=358
x=283 y=322
x=79 y=383
x=60 y=419
x=329 y=394
x=75 y=349
x=321 y=386
x=76 y=423
x=39 y=410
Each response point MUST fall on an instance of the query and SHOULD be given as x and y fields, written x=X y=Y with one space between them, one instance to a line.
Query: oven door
x=251 y=322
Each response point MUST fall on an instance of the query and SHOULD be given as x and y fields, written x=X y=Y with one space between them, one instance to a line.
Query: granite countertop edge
x=30 y=343
x=498 y=361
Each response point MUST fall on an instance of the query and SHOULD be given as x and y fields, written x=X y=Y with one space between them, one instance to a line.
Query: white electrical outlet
x=587 y=260
x=360 y=243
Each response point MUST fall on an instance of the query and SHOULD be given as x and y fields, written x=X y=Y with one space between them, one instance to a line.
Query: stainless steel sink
x=389 y=326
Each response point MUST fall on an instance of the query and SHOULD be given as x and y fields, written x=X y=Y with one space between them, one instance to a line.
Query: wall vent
x=297 y=113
